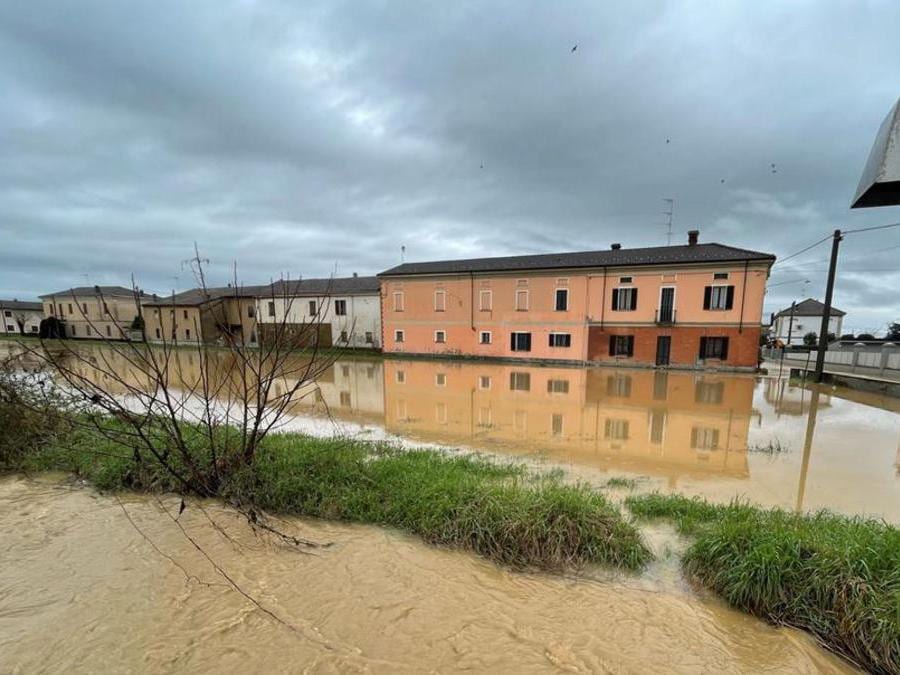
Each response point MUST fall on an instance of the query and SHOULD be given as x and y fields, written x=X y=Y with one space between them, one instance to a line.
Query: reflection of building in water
x=348 y=389
x=675 y=423
x=790 y=399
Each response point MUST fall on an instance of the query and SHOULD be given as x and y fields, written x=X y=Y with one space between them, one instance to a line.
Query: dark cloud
x=304 y=137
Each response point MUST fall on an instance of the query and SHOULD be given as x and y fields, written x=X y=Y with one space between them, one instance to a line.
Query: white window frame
x=524 y=292
x=444 y=334
x=562 y=424
x=555 y=293
x=481 y=339
x=343 y=305
x=674 y=297
x=398 y=301
x=554 y=334
x=485 y=306
x=400 y=376
x=484 y=382
x=724 y=297
x=442 y=294
x=399 y=335
x=440 y=379
x=619 y=298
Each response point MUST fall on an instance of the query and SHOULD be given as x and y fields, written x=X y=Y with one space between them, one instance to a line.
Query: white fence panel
x=869 y=360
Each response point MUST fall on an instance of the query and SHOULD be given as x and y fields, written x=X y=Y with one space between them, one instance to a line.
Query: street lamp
x=880 y=182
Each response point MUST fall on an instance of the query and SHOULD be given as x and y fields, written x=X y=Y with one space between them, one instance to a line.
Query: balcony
x=665 y=316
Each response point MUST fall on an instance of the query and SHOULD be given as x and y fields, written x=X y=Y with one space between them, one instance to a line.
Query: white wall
x=363 y=315
x=9 y=324
x=803 y=325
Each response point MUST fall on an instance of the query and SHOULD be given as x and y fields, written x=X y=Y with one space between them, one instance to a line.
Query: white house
x=20 y=317
x=348 y=309
x=806 y=317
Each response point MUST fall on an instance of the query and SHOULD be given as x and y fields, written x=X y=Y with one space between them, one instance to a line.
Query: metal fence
x=869 y=362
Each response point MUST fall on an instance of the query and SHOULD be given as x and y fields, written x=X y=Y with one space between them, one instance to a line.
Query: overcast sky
x=308 y=138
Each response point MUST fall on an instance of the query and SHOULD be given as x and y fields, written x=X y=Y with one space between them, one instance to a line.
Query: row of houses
x=690 y=305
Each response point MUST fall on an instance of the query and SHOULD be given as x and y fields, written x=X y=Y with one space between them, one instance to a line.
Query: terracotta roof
x=810 y=307
x=623 y=257
x=21 y=305
x=89 y=291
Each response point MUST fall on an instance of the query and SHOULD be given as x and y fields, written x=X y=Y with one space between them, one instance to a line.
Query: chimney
x=355 y=275
x=692 y=237
x=615 y=247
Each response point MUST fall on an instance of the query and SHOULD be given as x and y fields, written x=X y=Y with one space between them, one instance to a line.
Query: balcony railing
x=665 y=317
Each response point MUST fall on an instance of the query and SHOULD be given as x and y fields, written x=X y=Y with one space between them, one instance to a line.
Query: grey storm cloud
x=318 y=138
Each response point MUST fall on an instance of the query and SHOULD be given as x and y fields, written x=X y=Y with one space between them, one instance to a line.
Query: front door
x=667 y=305
x=663 y=349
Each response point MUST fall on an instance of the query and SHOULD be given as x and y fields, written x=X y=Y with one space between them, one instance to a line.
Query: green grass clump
x=620 y=482
x=498 y=511
x=835 y=576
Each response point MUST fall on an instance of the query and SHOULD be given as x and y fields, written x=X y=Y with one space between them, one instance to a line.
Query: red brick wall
x=743 y=346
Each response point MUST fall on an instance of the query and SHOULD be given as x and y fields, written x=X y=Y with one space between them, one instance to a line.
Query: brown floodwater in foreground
x=89 y=583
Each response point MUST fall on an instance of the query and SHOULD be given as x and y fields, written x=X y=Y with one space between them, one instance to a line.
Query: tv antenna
x=670 y=212
x=403 y=254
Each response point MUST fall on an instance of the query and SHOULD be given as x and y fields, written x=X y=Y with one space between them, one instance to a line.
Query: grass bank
x=502 y=512
x=834 y=576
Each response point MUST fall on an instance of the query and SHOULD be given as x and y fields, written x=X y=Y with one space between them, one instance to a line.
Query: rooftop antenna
x=403 y=254
x=670 y=212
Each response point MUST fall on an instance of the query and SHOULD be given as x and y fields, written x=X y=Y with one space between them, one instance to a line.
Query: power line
x=869 y=229
x=804 y=250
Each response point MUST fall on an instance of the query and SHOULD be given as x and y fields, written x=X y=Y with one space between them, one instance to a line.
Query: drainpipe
x=472 y=300
x=603 y=300
x=743 y=295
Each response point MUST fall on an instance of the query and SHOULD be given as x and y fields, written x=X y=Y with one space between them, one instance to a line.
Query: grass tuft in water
x=621 y=482
x=835 y=576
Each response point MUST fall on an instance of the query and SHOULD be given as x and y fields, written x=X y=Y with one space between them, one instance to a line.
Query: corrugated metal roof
x=624 y=257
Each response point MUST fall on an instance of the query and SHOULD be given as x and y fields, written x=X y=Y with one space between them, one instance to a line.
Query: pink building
x=690 y=305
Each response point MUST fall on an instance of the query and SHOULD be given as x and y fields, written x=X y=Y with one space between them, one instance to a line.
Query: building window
x=187 y=333
x=398 y=336
x=340 y=307
x=345 y=399
x=10 y=328
x=398 y=301
x=625 y=280
x=345 y=372
x=369 y=338
x=312 y=308
x=485 y=337
x=185 y=314
x=70 y=309
x=108 y=331
x=485 y=417
x=440 y=336
x=709 y=392
x=704 y=438
x=251 y=311
x=720 y=275
x=34 y=329
x=7 y=314
x=657 y=426
x=105 y=309
x=557 y=386
x=83 y=308
x=616 y=430
x=401 y=376
x=624 y=299
x=270 y=306
x=157 y=332
x=440 y=301
x=718 y=297
x=344 y=337
x=485 y=301
x=618 y=385
x=74 y=332
x=484 y=381
x=560 y=340
x=621 y=345
x=519 y=381
x=556 y=424
x=714 y=348
x=520 y=342
x=521 y=300
x=440 y=380
x=562 y=299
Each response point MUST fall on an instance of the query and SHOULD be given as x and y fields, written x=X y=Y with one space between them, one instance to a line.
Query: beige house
x=93 y=311
x=199 y=315
x=20 y=318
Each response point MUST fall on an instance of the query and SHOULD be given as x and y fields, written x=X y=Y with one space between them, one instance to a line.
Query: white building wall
x=803 y=325
x=361 y=321
x=10 y=325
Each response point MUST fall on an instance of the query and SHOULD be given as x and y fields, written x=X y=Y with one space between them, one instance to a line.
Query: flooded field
x=82 y=589
x=90 y=583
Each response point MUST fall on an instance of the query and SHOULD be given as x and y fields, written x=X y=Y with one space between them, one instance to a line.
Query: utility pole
x=826 y=315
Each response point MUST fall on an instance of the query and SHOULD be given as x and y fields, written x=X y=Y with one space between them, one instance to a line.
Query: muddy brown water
x=83 y=590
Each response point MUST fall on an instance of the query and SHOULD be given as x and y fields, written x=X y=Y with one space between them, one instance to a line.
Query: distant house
x=20 y=317
x=203 y=315
x=806 y=318
x=93 y=311
x=344 y=312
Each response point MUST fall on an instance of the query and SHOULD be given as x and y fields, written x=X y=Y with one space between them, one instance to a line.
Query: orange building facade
x=697 y=305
